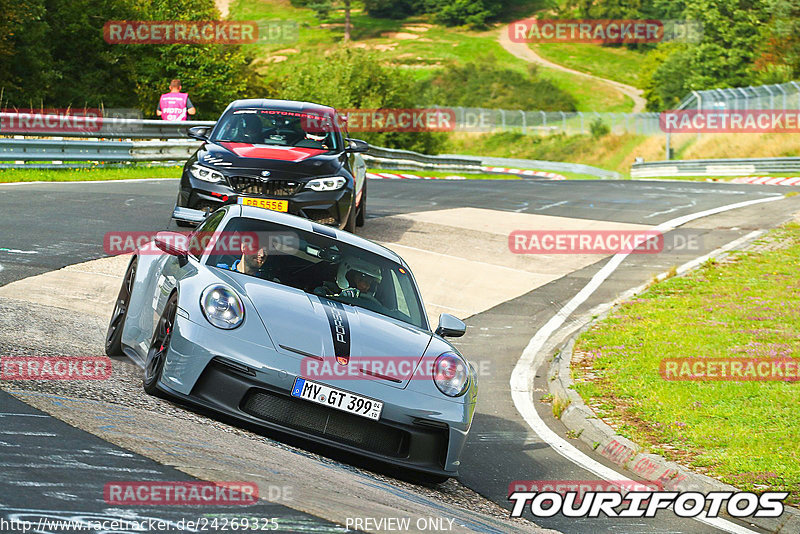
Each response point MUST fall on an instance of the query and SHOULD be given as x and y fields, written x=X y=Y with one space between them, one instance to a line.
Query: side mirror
x=450 y=326
x=174 y=244
x=356 y=145
x=199 y=132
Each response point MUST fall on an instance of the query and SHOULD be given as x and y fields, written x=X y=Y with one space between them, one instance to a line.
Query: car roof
x=283 y=105
x=301 y=223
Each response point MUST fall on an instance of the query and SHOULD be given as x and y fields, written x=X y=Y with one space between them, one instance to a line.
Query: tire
x=154 y=364
x=362 y=207
x=350 y=225
x=117 y=322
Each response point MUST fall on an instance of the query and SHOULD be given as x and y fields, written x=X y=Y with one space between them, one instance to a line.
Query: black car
x=283 y=155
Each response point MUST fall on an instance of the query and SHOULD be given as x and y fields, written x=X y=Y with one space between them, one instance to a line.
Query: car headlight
x=206 y=174
x=451 y=374
x=222 y=306
x=330 y=183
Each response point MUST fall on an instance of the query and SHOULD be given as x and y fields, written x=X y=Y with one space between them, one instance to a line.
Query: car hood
x=292 y=162
x=324 y=331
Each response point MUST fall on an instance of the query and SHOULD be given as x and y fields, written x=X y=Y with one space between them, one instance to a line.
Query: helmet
x=356 y=265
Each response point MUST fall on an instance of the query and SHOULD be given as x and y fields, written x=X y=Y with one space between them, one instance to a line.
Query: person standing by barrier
x=174 y=105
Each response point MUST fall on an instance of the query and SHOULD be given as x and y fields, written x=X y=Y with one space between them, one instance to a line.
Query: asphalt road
x=50 y=471
x=48 y=226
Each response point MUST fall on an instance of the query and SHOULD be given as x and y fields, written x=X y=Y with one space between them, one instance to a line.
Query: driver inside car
x=355 y=278
x=251 y=131
x=254 y=263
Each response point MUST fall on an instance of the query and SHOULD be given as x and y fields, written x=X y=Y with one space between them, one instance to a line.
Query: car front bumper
x=252 y=383
x=325 y=207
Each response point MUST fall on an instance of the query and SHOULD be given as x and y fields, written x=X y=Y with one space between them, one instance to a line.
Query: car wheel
x=114 y=333
x=362 y=207
x=350 y=225
x=154 y=364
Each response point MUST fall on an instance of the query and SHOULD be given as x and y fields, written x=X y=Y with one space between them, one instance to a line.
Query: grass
x=609 y=152
x=434 y=46
x=615 y=63
x=88 y=174
x=743 y=433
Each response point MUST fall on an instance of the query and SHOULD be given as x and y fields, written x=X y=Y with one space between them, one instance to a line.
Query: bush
x=483 y=83
x=598 y=128
x=357 y=79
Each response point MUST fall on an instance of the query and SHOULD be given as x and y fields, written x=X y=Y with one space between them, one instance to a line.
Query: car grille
x=251 y=185
x=333 y=424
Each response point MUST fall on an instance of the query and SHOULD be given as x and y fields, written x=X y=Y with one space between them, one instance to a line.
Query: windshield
x=322 y=266
x=277 y=127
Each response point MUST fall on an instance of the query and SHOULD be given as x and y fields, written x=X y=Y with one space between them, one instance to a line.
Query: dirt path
x=523 y=51
x=224 y=7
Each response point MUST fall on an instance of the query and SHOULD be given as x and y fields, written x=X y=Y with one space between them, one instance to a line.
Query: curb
x=585 y=425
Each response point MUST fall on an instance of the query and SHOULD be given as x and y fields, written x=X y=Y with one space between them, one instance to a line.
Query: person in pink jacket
x=175 y=105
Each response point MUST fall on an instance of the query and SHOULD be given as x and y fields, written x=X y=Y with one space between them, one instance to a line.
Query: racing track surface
x=450 y=228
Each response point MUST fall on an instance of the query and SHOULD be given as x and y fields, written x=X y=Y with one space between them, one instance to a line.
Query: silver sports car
x=298 y=328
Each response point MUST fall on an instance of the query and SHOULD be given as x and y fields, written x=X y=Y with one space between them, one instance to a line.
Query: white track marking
x=553 y=205
x=527 y=366
x=671 y=210
x=15 y=251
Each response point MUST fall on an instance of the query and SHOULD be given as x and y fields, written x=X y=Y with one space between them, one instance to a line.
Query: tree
x=25 y=62
x=349 y=78
x=724 y=58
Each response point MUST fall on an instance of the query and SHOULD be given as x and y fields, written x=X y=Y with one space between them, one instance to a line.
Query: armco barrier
x=112 y=128
x=715 y=167
x=71 y=152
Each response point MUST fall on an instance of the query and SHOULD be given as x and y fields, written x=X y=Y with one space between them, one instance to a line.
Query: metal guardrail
x=110 y=128
x=71 y=150
x=715 y=167
x=389 y=158
x=113 y=151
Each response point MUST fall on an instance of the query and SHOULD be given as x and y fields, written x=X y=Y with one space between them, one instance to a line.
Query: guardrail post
x=771 y=97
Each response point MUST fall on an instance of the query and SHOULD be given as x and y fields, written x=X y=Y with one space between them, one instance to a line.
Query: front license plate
x=266 y=203
x=337 y=398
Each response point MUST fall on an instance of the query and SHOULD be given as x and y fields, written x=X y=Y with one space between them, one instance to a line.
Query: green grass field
x=615 y=63
x=88 y=174
x=743 y=433
x=412 y=43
